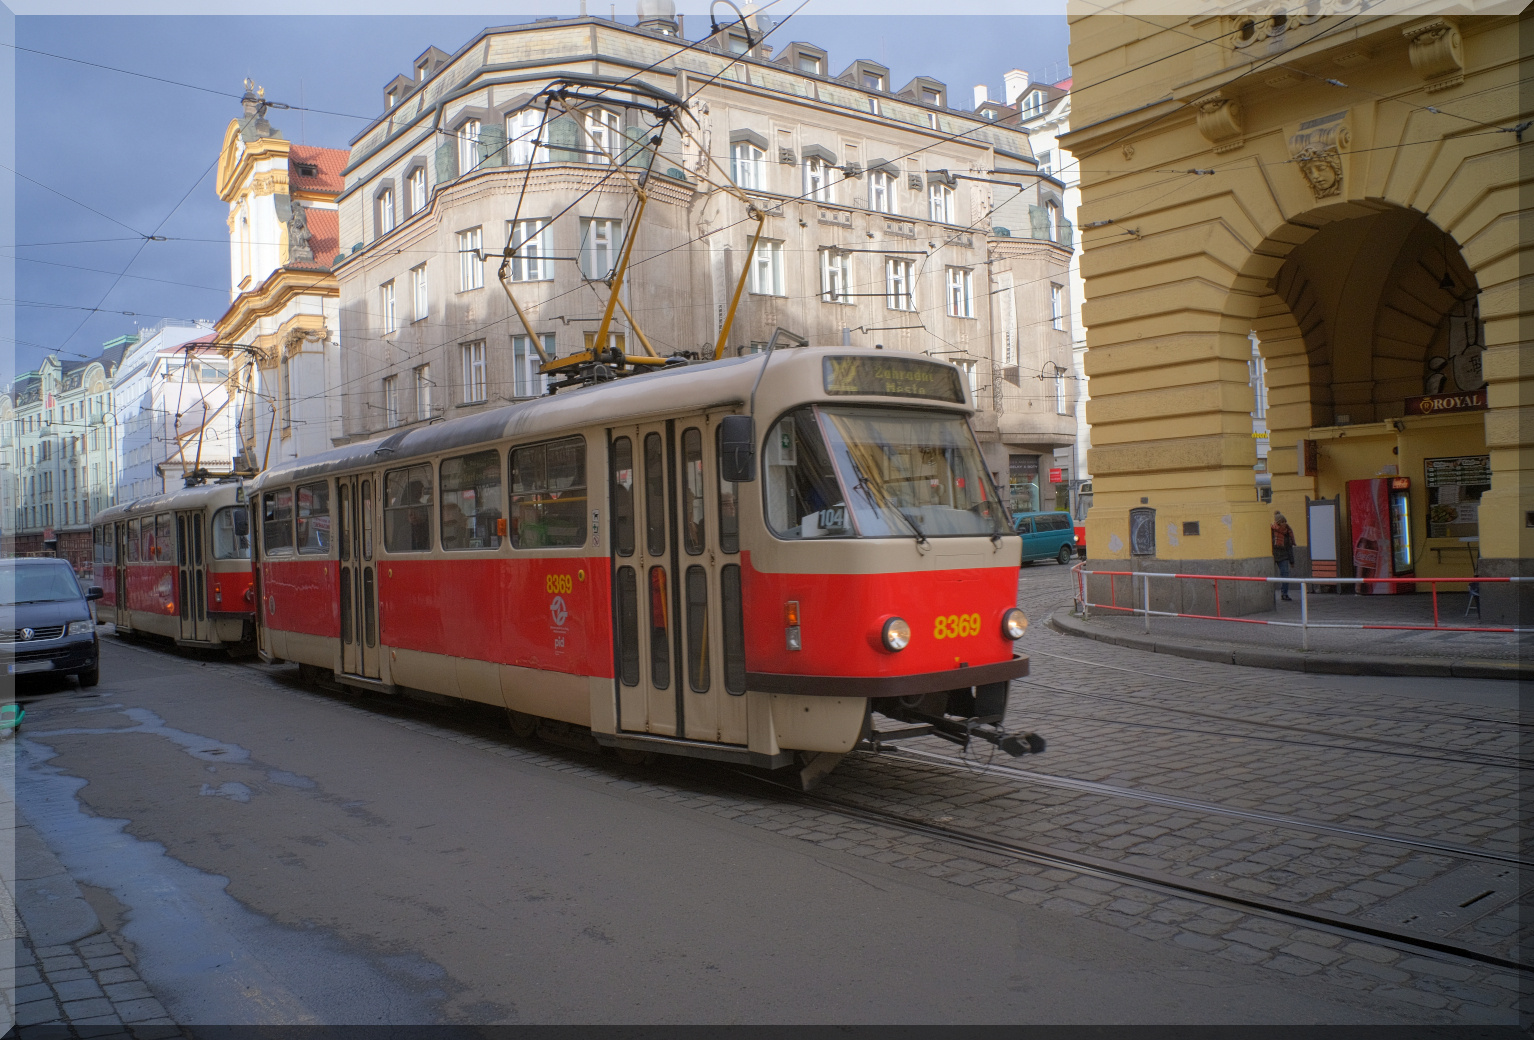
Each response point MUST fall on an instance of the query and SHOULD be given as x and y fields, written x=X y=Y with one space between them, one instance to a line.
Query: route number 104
x=956 y=626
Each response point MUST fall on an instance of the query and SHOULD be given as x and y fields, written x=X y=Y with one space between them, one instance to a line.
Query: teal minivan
x=1046 y=536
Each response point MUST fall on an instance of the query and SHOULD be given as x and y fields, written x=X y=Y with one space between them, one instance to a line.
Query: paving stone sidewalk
x=64 y=974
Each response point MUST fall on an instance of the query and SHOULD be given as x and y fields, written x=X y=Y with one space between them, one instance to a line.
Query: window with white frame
x=1047 y=161
x=422 y=375
x=766 y=277
x=474 y=383
x=961 y=293
x=386 y=307
x=418 y=297
x=835 y=276
x=1052 y=216
x=417 y=189
x=940 y=203
x=972 y=381
x=1033 y=104
x=604 y=129
x=881 y=192
x=898 y=277
x=599 y=247
x=529 y=250
x=748 y=165
x=386 y=211
x=1062 y=406
x=391 y=400
x=471 y=269
x=809 y=63
x=523 y=128
x=1057 y=307
x=817 y=179
x=872 y=80
x=468 y=146
x=527 y=380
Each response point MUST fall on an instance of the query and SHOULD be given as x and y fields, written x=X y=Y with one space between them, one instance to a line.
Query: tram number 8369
x=956 y=626
x=558 y=584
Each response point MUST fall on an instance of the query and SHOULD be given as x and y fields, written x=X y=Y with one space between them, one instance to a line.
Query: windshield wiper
x=871 y=492
x=921 y=536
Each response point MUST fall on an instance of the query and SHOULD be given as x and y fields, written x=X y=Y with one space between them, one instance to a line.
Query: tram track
x=1194 y=805
x=1153 y=880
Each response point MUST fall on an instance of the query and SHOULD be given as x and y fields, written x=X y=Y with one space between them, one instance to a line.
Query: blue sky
x=136 y=156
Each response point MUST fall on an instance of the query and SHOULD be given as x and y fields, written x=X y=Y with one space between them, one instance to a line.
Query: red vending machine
x=1379 y=515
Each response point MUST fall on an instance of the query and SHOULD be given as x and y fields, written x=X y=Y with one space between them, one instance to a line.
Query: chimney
x=1017 y=82
x=982 y=94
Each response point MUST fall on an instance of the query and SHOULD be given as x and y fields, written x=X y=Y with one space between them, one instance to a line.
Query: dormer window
x=420 y=71
x=809 y=63
x=931 y=97
x=392 y=98
x=872 y=81
x=307 y=169
x=738 y=44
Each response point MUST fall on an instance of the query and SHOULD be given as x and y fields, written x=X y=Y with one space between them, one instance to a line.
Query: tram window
x=314 y=518
x=163 y=533
x=231 y=534
x=697 y=629
x=548 y=494
x=471 y=501
x=96 y=545
x=803 y=497
x=733 y=629
x=277 y=522
x=729 y=510
x=133 y=537
x=655 y=494
x=692 y=492
x=628 y=626
x=623 y=500
x=660 y=639
x=407 y=509
x=181 y=541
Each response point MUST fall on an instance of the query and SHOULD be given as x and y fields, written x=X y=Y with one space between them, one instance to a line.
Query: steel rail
x=1109 y=871
x=1176 y=802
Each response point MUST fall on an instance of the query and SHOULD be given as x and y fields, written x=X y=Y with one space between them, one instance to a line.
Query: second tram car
x=178 y=565
x=741 y=560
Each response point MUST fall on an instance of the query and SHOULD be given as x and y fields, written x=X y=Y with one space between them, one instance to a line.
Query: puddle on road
x=209 y=958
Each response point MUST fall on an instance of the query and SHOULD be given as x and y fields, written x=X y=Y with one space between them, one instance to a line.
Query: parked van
x=1046 y=536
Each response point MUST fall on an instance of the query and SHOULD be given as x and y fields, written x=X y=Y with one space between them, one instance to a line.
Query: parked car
x=1046 y=536
x=45 y=620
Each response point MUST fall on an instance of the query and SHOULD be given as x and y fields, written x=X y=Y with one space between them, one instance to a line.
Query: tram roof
x=182 y=498
x=713 y=384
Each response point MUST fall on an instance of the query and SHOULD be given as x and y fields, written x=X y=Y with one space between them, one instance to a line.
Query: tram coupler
x=963 y=731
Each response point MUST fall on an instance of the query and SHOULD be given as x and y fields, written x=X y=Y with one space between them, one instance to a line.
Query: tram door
x=192 y=576
x=120 y=573
x=358 y=587
x=670 y=586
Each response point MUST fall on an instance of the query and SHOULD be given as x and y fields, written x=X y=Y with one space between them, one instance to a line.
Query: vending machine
x=1379 y=516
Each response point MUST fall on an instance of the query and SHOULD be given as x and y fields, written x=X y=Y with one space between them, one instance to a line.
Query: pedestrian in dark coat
x=1283 y=550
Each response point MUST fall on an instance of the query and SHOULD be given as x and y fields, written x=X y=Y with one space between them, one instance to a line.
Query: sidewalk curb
x=1295 y=660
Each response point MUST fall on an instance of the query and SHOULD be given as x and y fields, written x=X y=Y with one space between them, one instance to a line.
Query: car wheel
x=1065 y=554
x=90 y=677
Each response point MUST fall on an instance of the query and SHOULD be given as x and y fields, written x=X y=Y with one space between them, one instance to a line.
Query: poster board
x=1454 y=487
x=1321 y=536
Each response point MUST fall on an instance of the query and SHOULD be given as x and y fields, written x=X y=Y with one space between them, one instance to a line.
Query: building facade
x=281 y=333
x=172 y=409
x=889 y=219
x=59 y=454
x=1362 y=220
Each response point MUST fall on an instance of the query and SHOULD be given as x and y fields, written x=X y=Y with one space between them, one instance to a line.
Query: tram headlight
x=895 y=635
x=1013 y=624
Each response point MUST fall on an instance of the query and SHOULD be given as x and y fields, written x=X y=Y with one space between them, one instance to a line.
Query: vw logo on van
x=27 y=633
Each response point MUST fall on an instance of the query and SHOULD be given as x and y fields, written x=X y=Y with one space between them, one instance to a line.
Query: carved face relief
x=1323 y=172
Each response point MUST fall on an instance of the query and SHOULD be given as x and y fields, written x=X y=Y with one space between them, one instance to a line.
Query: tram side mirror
x=94 y=592
x=737 y=449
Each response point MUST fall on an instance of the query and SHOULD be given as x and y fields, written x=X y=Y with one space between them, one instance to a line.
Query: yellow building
x=1348 y=188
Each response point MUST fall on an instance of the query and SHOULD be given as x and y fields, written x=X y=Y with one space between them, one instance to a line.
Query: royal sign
x=1434 y=404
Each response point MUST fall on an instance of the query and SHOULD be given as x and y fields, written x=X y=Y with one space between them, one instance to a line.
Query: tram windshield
x=877 y=473
x=231 y=534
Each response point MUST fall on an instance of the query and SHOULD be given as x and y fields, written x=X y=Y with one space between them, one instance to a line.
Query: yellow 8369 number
x=956 y=626
x=558 y=584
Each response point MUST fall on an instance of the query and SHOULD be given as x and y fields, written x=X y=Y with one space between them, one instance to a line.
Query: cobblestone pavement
x=1198 y=730
x=66 y=974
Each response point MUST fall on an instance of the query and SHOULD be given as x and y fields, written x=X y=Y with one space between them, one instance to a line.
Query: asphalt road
x=272 y=854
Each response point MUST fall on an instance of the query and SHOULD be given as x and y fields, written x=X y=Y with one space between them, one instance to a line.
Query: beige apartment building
x=1357 y=213
x=889 y=219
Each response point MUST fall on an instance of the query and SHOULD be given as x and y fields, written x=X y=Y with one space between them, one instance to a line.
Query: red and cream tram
x=178 y=565
x=734 y=560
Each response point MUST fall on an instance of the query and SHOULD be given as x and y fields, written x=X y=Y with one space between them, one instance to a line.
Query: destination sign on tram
x=893 y=377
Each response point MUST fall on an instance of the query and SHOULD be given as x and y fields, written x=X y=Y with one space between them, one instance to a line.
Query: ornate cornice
x=280 y=287
x=235 y=165
x=1220 y=121
x=1435 y=52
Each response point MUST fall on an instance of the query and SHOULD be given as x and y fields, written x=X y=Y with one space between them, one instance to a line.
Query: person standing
x=1283 y=550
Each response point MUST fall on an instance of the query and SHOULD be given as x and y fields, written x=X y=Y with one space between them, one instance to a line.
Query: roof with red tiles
x=324 y=237
x=327 y=162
